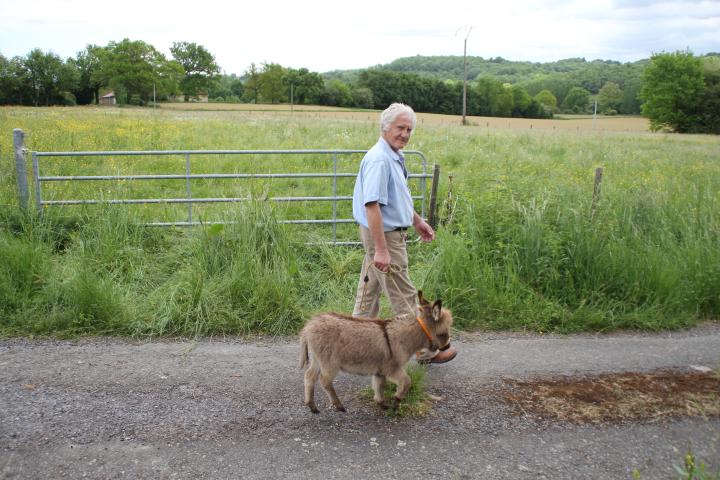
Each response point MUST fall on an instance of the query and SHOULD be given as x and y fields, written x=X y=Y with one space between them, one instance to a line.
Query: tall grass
x=525 y=245
x=109 y=275
x=517 y=247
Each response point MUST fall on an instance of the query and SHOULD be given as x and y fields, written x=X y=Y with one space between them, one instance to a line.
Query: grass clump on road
x=416 y=404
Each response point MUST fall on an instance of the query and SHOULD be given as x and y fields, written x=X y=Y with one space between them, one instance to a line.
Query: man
x=383 y=207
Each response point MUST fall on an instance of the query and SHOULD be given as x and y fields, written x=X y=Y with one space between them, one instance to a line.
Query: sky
x=324 y=35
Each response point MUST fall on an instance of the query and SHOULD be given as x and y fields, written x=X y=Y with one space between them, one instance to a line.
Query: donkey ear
x=437 y=310
x=421 y=299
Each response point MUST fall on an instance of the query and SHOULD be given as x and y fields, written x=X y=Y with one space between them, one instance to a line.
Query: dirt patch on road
x=617 y=397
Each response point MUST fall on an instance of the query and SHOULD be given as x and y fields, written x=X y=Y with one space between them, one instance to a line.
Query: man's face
x=398 y=134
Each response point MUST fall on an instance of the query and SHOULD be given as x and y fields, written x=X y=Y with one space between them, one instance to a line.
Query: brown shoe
x=441 y=357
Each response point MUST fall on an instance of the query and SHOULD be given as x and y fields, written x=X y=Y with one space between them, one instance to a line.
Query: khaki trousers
x=397 y=286
x=399 y=290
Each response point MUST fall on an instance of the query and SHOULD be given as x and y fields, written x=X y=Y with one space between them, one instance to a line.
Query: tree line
x=136 y=71
x=613 y=84
x=375 y=89
x=138 y=74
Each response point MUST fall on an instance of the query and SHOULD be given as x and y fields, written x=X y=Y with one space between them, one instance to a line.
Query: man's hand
x=381 y=260
x=426 y=232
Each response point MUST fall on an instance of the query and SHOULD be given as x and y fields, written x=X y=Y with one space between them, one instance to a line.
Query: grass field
x=517 y=248
x=577 y=123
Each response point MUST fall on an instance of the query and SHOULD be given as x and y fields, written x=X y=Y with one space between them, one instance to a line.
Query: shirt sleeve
x=375 y=182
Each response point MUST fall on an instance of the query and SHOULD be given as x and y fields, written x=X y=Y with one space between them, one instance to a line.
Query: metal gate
x=337 y=194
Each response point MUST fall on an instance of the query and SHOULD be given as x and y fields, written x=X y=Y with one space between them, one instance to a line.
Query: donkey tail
x=303 y=351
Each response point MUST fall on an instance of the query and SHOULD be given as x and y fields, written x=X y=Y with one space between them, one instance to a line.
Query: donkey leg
x=311 y=376
x=378 y=385
x=326 y=379
x=402 y=380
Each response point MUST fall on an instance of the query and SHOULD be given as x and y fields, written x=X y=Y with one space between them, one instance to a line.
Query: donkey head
x=438 y=320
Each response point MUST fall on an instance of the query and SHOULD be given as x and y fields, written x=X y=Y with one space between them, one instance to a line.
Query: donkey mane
x=378 y=321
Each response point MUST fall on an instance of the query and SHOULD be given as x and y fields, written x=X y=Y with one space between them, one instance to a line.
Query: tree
x=488 y=91
x=502 y=104
x=710 y=111
x=546 y=98
x=362 y=97
x=609 y=98
x=307 y=86
x=494 y=99
x=673 y=88
x=630 y=104
x=576 y=101
x=227 y=88
x=87 y=63
x=273 y=89
x=134 y=69
x=558 y=84
x=337 y=94
x=51 y=79
x=521 y=101
x=253 y=83
x=199 y=66
x=385 y=86
x=14 y=81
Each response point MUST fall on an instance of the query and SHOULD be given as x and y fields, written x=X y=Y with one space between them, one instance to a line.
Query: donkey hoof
x=340 y=408
x=313 y=408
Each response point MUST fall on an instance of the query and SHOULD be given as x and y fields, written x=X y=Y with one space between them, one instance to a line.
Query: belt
x=399 y=229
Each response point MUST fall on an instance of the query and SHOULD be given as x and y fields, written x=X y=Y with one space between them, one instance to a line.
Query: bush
x=136 y=100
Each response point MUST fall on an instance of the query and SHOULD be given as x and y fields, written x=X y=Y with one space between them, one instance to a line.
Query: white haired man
x=383 y=207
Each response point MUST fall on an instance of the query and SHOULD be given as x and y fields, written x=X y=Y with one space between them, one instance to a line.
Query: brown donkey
x=380 y=348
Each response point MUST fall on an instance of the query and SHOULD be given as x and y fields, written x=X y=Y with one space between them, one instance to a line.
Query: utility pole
x=464 y=105
x=594 y=114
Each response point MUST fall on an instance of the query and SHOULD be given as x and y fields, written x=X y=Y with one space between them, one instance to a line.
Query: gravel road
x=232 y=408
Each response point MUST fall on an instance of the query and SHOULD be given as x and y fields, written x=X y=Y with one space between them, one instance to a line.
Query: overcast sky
x=324 y=35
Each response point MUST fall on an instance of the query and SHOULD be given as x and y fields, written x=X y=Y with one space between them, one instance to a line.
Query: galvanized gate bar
x=110 y=153
x=188 y=176
x=208 y=175
x=193 y=200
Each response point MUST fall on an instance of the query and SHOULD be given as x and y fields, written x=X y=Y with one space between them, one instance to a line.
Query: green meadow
x=519 y=246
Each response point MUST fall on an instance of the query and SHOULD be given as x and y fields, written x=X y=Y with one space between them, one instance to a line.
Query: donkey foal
x=380 y=348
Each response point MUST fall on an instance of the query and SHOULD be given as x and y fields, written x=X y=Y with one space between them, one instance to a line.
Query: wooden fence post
x=432 y=215
x=20 y=170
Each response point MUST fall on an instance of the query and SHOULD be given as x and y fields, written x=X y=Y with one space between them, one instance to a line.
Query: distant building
x=108 y=99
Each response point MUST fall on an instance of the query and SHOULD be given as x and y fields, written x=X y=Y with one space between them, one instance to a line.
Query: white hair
x=390 y=114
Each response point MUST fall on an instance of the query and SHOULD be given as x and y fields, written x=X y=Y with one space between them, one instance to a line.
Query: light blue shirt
x=382 y=178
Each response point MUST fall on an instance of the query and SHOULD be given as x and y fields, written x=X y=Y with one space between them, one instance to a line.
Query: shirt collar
x=395 y=155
